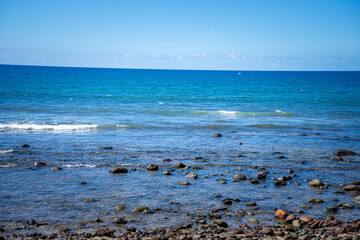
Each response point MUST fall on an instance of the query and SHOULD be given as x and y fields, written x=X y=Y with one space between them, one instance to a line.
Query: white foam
x=160 y=103
x=79 y=165
x=122 y=126
x=7 y=166
x=228 y=113
x=16 y=126
x=278 y=111
x=6 y=151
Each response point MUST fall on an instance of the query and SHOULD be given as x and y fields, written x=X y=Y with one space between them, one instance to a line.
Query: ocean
x=268 y=120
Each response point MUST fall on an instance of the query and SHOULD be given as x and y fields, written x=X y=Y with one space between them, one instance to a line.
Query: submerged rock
x=152 y=167
x=119 y=220
x=316 y=183
x=167 y=173
x=25 y=145
x=180 y=165
x=217 y=135
x=315 y=200
x=344 y=152
x=183 y=183
x=106 y=148
x=118 y=170
x=56 y=168
x=39 y=164
x=140 y=209
x=351 y=188
x=356 y=200
x=239 y=177
x=192 y=175
x=261 y=175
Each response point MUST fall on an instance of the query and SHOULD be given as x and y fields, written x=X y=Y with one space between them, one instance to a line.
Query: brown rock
x=236 y=231
x=220 y=223
x=180 y=165
x=351 y=188
x=290 y=218
x=152 y=167
x=281 y=214
x=267 y=231
x=103 y=233
x=217 y=135
x=306 y=219
x=118 y=170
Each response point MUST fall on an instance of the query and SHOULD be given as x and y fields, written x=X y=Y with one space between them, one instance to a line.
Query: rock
x=140 y=209
x=332 y=209
x=120 y=207
x=106 y=148
x=217 y=195
x=166 y=160
x=356 y=200
x=339 y=192
x=39 y=164
x=227 y=202
x=351 y=188
x=32 y=222
x=306 y=219
x=290 y=218
x=355 y=182
x=83 y=183
x=347 y=206
x=119 y=220
x=118 y=170
x=192 y=175
x=180 y=165
x=220 y=223
x=239 y=177
x=261 y=175
x=254 y=181
x=183 y=183
x=315 y=200
x=253 y=221
x=152 y=167
x=25 y=145
x=281 y=214
x=167 y=173
x=131 y=229
x=297 y=184
x=217 y=135
x=344 y=152
x=296 y=224
x=316 y=183
x=250 y=204
x=90 y=200
x=290 y=171
x=103 y=233
x=267 y=231
x=280 y=183
x=56 y=168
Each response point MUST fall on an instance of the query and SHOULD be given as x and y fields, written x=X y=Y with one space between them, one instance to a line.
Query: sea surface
x=67 y=114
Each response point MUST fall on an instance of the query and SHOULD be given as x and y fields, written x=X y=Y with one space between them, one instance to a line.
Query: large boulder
x=239 y=177
x=118 y=170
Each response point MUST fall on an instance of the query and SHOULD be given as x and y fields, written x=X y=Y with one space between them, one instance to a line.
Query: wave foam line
x=6 y=151
x=47 y=127
x=78 y=165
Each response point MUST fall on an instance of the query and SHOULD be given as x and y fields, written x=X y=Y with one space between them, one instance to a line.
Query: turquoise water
x=66 y=114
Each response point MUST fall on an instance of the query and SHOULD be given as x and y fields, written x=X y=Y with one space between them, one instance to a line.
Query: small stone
x=56 y=168
x=250 y=204
x=338 y=192
x=218 y=195
x=316 y=183
x=217 y=135
x=25 y=145
x=351 y=188
x=183 y=183
x=290 y=171
x=39 y=164
x=347 y=206
x=119 y=220
x=254 y=181
x=106 y=148
x=166 y=160
x=315 y=200
x=296 y=224
x=220 y=223
x=280 y=183
x=32 y=222
x=103 y=233
x=261 y=175
x=290 y=218
x=297 y=184
x=344 y=152
x=152 y=167
x=192 y=175
x=306 y=219
x=253 y=221
x=83 y=183
x=332 y=209
x=167 y=173
x=180 y=165
x=356 y=200
x=239 y=177
x=90 y=200
x=267 y=231
x=118 y=170
x=120 y=207
x=140 y=209
x=227 y=202
x=281 y=214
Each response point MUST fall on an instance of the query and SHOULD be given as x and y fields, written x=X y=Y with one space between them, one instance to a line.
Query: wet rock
x=83 y=183
x=106 y=148
x=220 y=223
x=227 y=202
x=339 y=192
x=290 y=171
x=180 y=165
x=351 y=188
x=192 y=175
x=281 y=157
x=332 y=209
x=261 y=175
x=118 y=170
x=290 y=218
x=152 y=167
x=218 y=195
x=32 y=222
x=296 y=223
x=39 y=164
x=90 y=200
x=120 y=207
x=183 y=183
x=356 y=200
x=103 y=233
x=254 y=181
x=344 y=152
x=347 y=206
x=119 y=220
x=253 y=221
x=250 y=204
x=297 y=184
x=217 y=135
x=250 y=213
x=355 y=182
x=281 y=214
x=56 y=168
x=140 y=209
x=306 y=219
x=316 y=183
x=280 y=183
x=167 y=173
x=239 y=177
x=315 y=200
x=267 y=231
x=166 y=160
x=25 y=146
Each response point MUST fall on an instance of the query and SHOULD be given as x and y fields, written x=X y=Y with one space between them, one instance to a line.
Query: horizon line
x=175 y=69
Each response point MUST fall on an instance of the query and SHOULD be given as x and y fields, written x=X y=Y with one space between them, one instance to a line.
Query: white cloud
x=233 y=56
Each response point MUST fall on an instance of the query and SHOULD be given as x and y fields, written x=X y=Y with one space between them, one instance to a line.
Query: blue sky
x=182 y=34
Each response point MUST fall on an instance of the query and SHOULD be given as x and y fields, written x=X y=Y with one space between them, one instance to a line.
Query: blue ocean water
x=66 y=114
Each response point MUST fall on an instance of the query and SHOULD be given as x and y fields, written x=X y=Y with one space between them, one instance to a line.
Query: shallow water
x=66 y=114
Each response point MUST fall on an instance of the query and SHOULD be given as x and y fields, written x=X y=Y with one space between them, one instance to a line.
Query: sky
x=183 y=34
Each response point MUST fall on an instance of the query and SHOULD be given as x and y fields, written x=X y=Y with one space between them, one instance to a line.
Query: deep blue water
x=66 y=114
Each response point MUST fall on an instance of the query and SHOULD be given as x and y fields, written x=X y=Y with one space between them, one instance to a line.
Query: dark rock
x=261 y=175
x=355 y=182
x=254 y=181
x=351 y=188
x=166 y=160
x=217 y=135
x=32 y=222
x=253 y=221
x=120 y=207
x=39 y=164
x=152 y=167
x=119 y=220
x=356 y=200
x=315 y=200
x=218 y=195
x=281 y=157
x=344 y=152
x=25 y=145
x=250 y=204
x=103 y=233
x=316 y=183
x=131 y=229
x=239 y=177
x=280 y=183
x=90 y=200
x=140 y=209
x=180 y=165
x=83 y=183
x=183 y=183
x=56 y=168
x=220 y=223
x=290 y=171
x=118 y=170
x=267 y=231
x=332 y=209
x=192 y=175
x=106 y=148
x=167 y=173
x=227 y=202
